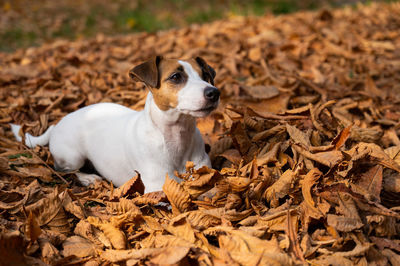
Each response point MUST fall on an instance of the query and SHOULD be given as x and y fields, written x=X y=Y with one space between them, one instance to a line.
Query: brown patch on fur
x=166 y=96
x=195 y=66
x=198 y=68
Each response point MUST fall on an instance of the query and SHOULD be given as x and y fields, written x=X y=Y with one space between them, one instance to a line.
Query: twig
x=51 y=169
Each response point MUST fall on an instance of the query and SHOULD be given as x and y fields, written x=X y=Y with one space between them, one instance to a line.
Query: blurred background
x=25 y=23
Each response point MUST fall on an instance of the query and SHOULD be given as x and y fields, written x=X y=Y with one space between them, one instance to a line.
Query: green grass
x=126 y=16
x=18 y=155
x=140 y=21
x=15 y=38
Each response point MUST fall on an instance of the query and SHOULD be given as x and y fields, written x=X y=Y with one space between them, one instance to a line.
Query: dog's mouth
x=200 y=112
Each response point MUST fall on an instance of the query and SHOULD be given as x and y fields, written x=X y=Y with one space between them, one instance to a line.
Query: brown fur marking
x=166 y=96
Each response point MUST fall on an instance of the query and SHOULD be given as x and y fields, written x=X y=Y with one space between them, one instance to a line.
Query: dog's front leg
x=87 y=179
x=203 y=161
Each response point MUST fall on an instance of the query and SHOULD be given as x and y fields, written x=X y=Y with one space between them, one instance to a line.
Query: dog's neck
x=177 y=128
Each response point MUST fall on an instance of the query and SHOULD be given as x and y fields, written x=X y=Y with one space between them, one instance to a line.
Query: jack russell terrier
x=119 y=141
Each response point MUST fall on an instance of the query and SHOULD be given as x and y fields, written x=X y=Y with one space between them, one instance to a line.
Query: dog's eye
x=176 y=77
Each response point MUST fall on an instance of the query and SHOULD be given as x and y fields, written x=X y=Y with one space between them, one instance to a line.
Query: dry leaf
x=180 y=227
x=115 y=235
x=177 y=196
x=32 y=228
x=262 y=92
x=78 y=246
x=281 y=187
x=308 y=182
x=344 y=224
x=133 y=185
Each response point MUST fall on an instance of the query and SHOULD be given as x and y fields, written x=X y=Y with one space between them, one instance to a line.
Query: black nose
x=211 y=94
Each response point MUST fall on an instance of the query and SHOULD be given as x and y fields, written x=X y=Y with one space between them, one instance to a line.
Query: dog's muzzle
x=211 y=94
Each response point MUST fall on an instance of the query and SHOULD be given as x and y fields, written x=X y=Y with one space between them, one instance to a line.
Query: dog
x=157 y=141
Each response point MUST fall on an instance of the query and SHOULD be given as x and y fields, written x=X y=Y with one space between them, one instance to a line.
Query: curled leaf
x=115 y=235
x=177 y=195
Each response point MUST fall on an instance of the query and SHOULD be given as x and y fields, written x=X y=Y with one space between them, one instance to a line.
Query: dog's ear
x=206 y=68
x=147 y=72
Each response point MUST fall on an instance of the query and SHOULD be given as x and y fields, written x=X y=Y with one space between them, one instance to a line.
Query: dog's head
x=186 y=86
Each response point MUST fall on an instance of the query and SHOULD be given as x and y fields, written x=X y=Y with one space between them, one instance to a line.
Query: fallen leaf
x=32 y=228
x=176 y=194
x=134 y=184
x=78 y=246
x=308 y=182
x=114 y=234
x=281 y=187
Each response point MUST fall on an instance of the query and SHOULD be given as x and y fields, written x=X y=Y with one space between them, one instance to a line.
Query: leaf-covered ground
x=306 y=143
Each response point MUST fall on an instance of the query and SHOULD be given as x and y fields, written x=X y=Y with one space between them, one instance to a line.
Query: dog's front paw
x=87 y=179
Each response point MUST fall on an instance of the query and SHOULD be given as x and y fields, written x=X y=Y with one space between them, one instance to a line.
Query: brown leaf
x=255 y=54
x=170 y=255
x=177 y=196
x=240 y=138
x=201 y=219
x=151 y=224
x=341 y=138
x=3 y=164
x=392 y=182
x=42 y=173
x=371 y=182
x=202 y=180
x=133 y=185
x=12 y=249
x=333 y=260
x=344 y=224
x=298 y=136
x=262 y=92
x=394 y=153
x=392 y=256
x=376 y=153
x=281 y=187
x=12 y=199
x=115 y=235
x=383 y=225
x=382 y=243
x=248 y=250
x=372 y=135
x=78 y=246
x=123 y=206
x=49 y=252
x=151 y=198
x=180 y=227
x=89 y=232
x=308 y=182
x=115 y=256
x=49 y=211
x=270 y=156
x=358 y=250
x=371 y=88
x=73 y=207
x=277 y=221
x=269 y=132
x=232 y=155
x=238 y=184
x=32 y=228
x=328 y=158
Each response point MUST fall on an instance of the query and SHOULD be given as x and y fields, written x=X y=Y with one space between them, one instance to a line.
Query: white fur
x=32 y=141
x=118 y=140
x=192 y=99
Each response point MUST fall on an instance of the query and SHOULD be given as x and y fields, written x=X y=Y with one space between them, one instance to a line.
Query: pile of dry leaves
x=305 y=142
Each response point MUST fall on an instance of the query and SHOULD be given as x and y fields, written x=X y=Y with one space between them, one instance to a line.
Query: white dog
x=156 y=141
